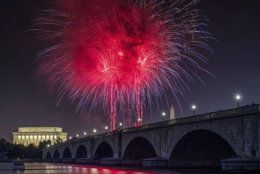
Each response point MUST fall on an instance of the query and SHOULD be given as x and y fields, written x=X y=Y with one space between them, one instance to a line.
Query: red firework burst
x=117 y=53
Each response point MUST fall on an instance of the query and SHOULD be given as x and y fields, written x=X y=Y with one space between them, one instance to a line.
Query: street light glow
x=139 y=120
x=70 y=137
x=94 y=130
x=85 y=133
x=238 y=97
x=106 y=128
x=77 y=135
x=120 y=124
x=163 y=115
x=193 y=107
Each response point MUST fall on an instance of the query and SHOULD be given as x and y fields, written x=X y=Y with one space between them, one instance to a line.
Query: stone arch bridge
x=201 y=140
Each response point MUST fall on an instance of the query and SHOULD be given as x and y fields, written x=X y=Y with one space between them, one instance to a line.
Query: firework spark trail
x=120 y=54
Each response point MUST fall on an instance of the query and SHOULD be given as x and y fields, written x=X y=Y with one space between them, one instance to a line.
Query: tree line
x=15 y=151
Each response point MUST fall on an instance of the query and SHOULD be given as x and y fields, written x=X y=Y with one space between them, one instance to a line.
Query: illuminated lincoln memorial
x=35 y=135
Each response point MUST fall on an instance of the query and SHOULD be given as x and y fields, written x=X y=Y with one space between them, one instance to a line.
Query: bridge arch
x=103 y=150
x=48 y=156
x=202 y=145
x=139 y=148
x=56 y=154
x=66 y=153
x=81 y=152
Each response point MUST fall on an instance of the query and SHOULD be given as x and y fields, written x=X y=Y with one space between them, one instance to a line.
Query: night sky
x=26 y=100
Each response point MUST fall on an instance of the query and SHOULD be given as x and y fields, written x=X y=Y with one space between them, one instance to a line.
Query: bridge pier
x=194 y=164
x=68 y=160
x=59 y=160
x=250 y=164
x=83 y=161
x=131 y=162
x=110 y=162
x=155 y=162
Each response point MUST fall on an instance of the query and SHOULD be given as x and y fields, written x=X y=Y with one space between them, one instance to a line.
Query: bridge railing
x=249 y=109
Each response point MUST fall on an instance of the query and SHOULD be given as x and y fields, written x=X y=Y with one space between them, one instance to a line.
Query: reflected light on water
x=52 y=168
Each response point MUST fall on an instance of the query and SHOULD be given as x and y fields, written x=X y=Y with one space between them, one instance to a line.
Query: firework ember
x=121 y=54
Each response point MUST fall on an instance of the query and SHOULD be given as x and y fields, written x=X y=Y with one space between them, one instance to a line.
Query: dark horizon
x=27 y=101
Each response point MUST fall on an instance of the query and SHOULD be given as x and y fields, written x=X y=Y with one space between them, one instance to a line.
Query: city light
x=77 y=135
x=70 y=137
x=163 y=115
x=193 y=107
x=120 y=124
x=48 y=145
x=139 y=122
x=85 y=133
x=106 y=127
x=94 y=130
x=238 y=98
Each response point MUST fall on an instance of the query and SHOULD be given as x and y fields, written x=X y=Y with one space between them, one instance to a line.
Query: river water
x=50 y=168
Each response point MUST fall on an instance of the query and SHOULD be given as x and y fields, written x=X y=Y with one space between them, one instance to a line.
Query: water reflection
x=49 y=168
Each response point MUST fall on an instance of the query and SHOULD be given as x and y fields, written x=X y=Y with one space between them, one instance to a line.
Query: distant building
x=35 y=135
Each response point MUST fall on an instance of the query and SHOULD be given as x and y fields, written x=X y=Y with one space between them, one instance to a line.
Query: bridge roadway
x=201 y=140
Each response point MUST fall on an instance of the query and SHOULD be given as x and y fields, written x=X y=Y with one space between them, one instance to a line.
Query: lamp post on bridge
x=139 y=120
x=238 y=99
x=94 y=131
x=193 y=107
x=163 y=115
x=120 y=125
